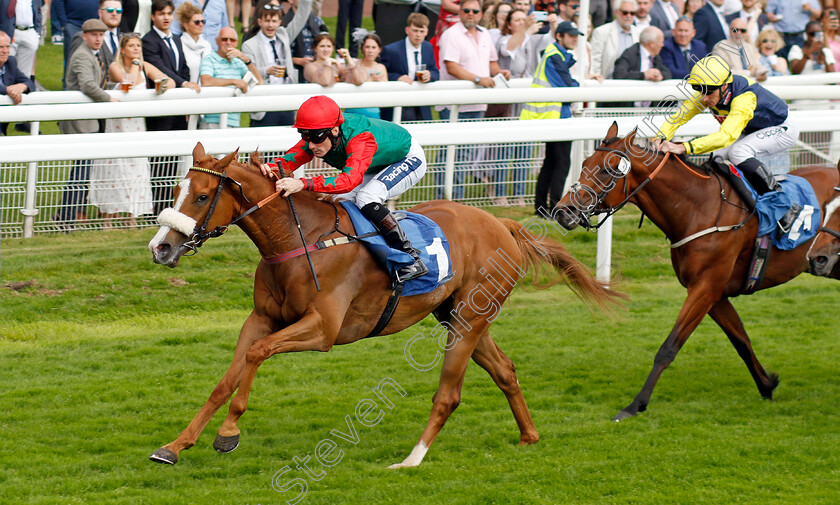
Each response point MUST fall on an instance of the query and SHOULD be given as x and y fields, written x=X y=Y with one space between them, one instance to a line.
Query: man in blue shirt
x=226 y=67
x=791 y=17
x=76 y=12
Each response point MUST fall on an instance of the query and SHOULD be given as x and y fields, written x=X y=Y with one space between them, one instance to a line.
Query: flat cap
x=94 y=25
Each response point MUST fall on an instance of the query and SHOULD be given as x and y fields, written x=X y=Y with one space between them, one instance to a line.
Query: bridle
x=823 y=229
x=200 y=234
x=622 y=171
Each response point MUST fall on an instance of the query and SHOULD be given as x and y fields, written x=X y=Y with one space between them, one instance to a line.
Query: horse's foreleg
x=255 y=327
x=489 y=357
x=307 y=334
x=727 y=318
x=700 y=299
x=460 y=346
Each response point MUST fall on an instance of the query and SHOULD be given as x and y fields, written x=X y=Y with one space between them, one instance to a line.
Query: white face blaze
x=829 y=210
x=171 y=218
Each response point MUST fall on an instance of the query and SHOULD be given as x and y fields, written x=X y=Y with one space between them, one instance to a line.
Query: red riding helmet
x=317 y=113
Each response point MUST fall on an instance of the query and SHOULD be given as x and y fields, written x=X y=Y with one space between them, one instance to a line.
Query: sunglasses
x=228 y=39
x=199 y=21
x=814 y=34
x=764 y=41
x=314 y=136
x=574 y=6
x=704 y=90
x=111 y=10
x=740 y=30
x=626 y=13
x=471 y=11
x=271 y=7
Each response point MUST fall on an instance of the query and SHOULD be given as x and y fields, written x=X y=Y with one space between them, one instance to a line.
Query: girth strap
x=390 y=308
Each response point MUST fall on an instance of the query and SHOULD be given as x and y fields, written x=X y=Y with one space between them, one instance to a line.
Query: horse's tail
x=535 y=253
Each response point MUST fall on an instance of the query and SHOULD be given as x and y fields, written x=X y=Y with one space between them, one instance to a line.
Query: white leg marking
x=413 y=459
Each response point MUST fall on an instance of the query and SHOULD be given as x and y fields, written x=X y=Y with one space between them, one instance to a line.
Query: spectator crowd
x=163 y=44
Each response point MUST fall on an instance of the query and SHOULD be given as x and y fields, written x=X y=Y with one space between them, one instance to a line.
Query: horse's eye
x=201 y=199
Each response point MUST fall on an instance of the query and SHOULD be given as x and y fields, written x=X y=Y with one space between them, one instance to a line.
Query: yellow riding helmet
x=710 y=72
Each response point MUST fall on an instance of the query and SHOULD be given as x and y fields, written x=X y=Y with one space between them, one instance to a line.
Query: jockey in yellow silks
x=754 y=123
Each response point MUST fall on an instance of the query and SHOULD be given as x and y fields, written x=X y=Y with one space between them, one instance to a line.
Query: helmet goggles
x=704 y=89
x=314 y=136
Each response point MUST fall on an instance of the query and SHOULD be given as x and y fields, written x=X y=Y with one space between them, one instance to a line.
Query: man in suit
x=642 y=62
x=401 y=59
x=665 y=14
x=303 y=51
x=644 y=18
x=13 y=82
x=610 y=40
x=164 y=50
x=110 y=13
x=271 y=52
x=682 y=50
x=87 y=73
x=710 y=23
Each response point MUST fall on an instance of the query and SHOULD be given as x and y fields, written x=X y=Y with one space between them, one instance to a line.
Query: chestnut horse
x=825 y=249
x=290 y=314
x=682 y=201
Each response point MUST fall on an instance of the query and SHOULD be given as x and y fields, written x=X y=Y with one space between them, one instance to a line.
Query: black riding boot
x=389 y=227
x=763 y=181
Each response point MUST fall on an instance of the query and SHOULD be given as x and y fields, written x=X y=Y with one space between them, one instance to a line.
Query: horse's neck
x=272 y=228
x=674 y=197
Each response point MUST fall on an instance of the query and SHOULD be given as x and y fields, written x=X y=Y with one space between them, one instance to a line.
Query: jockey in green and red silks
x=378 y=160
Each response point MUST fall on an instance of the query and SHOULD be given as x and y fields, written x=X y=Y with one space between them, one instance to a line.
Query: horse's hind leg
x=254 y=328
x=448 y=395
x=727 y=318
x=489 y=357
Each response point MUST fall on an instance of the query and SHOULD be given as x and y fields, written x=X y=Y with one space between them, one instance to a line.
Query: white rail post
x=29 y=211
x=449 y=170
x=603 y=260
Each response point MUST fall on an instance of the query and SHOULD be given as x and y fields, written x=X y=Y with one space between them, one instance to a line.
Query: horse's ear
x=612 y=132
x=224 y=162
x=256 y=159
x=628 y=140
x=198 y=152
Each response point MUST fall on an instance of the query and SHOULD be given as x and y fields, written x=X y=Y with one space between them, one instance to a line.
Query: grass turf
x=106 y=357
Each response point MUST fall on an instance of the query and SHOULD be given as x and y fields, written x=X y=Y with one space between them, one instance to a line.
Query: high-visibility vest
x=543 y=110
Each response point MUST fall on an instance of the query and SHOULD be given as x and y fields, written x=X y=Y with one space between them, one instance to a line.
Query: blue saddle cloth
x=771 y=206
x=425 y=235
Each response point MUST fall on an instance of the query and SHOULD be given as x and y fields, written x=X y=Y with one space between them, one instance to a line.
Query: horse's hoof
x=226 y=444
x=164 y=455
x=773 y=383
x=622 y=415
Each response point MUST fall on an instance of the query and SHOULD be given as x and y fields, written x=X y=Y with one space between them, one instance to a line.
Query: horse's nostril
x=820 y=261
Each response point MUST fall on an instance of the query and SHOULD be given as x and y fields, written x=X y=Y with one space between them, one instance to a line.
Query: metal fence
x=485 y=174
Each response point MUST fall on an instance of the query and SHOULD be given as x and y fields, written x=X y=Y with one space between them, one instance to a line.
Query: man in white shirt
x=25 y=38
x=271 y=52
